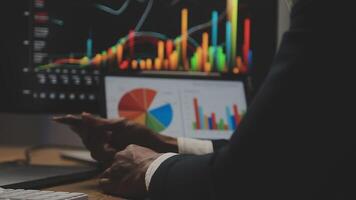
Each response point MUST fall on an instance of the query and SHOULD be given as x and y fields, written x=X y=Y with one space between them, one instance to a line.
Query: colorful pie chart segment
x=136 y=105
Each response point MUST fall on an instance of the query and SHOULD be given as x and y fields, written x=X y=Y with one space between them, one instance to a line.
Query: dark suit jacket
x=297 y=140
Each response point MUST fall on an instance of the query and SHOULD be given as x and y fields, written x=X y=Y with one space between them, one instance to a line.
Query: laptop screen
x=205 y=109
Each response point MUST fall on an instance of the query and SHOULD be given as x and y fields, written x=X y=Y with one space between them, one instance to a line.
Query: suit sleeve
x=218 y=144
x=286 y=146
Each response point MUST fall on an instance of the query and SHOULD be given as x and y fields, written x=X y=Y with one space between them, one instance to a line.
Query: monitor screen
x=206 y=109
x=57 y=50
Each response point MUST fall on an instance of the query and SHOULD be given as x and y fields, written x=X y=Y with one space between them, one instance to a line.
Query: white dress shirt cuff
x=194 y=146
x=154 y=166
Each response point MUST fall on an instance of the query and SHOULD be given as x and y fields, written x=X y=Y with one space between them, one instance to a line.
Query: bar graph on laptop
x=212 y=121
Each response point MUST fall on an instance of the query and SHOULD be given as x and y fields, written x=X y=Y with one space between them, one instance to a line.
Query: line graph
x=113 y=11
x=124 y=7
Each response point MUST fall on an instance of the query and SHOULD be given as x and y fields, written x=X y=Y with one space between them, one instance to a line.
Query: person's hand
x=104 y=137
x=126 y=176
x=94 y=135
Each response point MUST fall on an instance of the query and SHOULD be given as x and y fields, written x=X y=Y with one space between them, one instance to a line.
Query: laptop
x=194 y=107
x=17 y=175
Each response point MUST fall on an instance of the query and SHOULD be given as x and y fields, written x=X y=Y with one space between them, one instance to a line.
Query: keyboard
x=21 y=194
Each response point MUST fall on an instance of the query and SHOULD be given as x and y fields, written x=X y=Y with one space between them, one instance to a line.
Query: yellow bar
x=84 y=61
x=134 y=64
x=229 y=9
x=173 y=60
x=158 y=64
x=200 y=58
x=97 y=59
x=207 y=67
x=119 y=52
x=184 y=37
x=166 y=63
x=234 y=29
x=176 y=60
x=104 y=57
x=236 y=70
x=110 y=54
x=160 y=48
x=142 y=64
x=149 y=64
x=205 y=45
x=206 y=119
x=239 y=62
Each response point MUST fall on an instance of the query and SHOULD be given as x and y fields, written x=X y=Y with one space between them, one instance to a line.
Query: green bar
x=195 y=126
x=194 y=63
x=221 y=59
x=221 y=124
x=222 y=62
x=113 y=49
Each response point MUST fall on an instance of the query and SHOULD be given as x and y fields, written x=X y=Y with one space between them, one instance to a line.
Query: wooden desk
x=52 y=157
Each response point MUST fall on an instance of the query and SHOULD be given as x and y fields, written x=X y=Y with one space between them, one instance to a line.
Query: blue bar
x=228 y=44
x=89 y=48
x=250 y=59
x=202 y=120
x=210 y=123
x=214 y=31
x=214 y=34
x=232 y=118
x=228 y=114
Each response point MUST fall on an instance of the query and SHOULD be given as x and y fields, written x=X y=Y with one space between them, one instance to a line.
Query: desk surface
x=49 y=157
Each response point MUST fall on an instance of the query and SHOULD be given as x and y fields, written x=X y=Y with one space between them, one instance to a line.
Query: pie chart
x=136 y=105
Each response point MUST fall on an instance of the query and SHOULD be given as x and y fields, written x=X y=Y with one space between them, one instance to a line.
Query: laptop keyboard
x=21 y=194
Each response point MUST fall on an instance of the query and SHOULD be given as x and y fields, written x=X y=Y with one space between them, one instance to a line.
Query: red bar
x=247 y=39
x=236 y=114
x=124 y=65
x=213 y=118
x=132 y=43
x=197 y=116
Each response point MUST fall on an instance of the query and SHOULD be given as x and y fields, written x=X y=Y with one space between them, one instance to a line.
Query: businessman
x=296 y=140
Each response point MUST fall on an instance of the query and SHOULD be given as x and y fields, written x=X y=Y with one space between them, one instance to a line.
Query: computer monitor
x=59 y=49
x=179 y=107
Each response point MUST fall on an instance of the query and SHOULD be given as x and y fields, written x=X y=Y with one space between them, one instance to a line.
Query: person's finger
x=111 y=183
x=74 y=122
x=112 y=124
x=69 y=119
x=111 y=187
x=103 y=153
x=94 y=133
x=107 y=185
x=115 y=172
x=106 y=173
x=93 y=120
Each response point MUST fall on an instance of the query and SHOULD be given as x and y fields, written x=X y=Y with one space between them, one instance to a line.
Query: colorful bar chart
x=204 y=121
x=210 y=53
